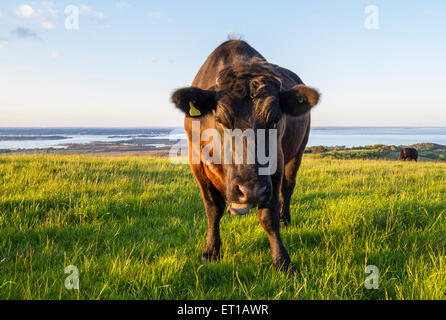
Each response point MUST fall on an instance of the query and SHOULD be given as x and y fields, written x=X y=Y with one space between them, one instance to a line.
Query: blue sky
x=120 y=67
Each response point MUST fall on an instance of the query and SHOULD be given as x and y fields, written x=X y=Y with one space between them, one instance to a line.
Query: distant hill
x=427 y=152
x=428 y=146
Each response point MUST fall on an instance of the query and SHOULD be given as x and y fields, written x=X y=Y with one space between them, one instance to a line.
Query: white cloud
x=54 y=55
x=1 y=47
x=156 y=15
x=47 y=25
x=84 y=9
x=41 y=16
x=25 y=11
x=49 y=8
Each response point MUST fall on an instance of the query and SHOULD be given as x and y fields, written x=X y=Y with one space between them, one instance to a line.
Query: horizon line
x=167 y=127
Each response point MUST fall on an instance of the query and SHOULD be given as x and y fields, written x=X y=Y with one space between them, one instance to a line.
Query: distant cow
x=409 y=154
x=238 y=89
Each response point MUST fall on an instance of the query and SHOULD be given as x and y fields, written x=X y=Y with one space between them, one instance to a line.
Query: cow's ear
x=194 y=102
x=299 y=100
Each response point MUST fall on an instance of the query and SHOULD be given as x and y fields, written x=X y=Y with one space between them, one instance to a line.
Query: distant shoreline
x=156 y=140
x=427 y=151
x=31 y=138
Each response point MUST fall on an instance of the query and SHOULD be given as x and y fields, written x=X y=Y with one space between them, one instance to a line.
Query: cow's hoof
x=286 y=267
x=207 y=257
x=289 y=269
x=284 y=221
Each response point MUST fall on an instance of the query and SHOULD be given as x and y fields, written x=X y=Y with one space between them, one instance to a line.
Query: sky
x=375 y=66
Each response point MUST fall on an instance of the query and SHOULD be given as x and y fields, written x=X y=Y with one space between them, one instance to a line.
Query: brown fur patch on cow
x=311 y=94
x=246 y=80
x=257 y=82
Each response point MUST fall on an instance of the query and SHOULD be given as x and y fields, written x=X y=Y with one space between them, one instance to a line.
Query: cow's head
x=249 y=98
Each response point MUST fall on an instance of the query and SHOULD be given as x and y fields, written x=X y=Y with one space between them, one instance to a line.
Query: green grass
x=135 y=228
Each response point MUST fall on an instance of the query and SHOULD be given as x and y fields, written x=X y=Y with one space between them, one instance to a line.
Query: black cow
x=238 y=89
x=409 y=154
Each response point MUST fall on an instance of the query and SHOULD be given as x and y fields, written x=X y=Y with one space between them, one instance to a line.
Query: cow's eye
x=301 y=99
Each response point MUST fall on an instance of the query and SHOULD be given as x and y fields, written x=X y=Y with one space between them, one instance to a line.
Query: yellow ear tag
x=193 y=112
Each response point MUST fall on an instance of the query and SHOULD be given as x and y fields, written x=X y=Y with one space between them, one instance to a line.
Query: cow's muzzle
x=239 y=209
x=246 y=198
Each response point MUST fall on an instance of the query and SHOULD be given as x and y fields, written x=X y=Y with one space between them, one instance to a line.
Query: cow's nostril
x=250 y=195
x=242 y=193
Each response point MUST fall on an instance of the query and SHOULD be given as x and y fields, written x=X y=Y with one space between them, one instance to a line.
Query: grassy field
x=135 y=228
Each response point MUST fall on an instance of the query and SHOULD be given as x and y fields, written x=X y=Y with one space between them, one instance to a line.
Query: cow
x=409 y=154
x=237 y=88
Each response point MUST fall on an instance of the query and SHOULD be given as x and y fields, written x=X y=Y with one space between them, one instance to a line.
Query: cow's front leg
x=270 y=221
x=214 y=205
